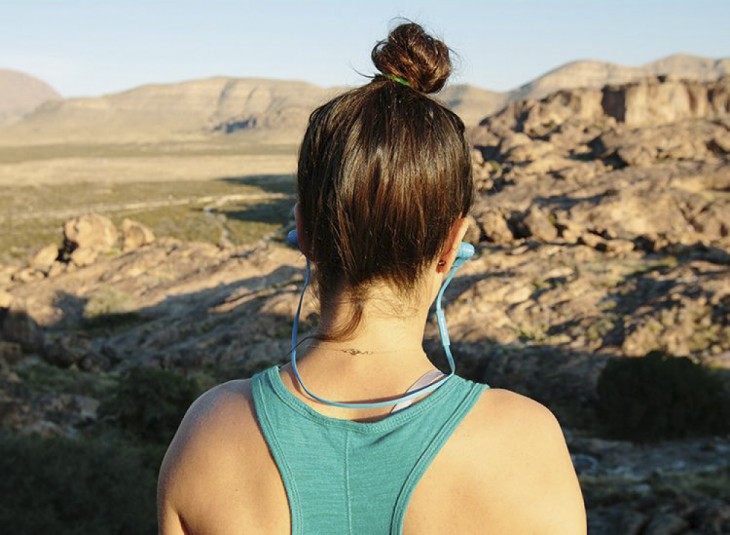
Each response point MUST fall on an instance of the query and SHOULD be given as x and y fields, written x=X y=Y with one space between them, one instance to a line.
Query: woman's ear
x=301 y=235
x=451 y=246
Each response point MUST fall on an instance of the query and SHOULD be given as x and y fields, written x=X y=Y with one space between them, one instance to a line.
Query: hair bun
x=410 y=53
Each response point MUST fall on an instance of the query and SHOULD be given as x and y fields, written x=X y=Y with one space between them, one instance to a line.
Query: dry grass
x=217 y=147
x=196 y=192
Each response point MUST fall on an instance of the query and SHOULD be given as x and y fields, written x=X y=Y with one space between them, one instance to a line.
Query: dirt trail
x=209 y=202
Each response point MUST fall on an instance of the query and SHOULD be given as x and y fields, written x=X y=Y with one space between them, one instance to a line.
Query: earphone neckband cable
x=466 y=251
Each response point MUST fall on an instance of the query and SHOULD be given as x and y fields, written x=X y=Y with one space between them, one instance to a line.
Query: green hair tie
x=398 y=79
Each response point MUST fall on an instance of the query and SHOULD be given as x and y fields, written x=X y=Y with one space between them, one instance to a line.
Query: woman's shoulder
x=217 y=451
x=220 y=400
x=217 y=465
x=218 y=417
x=502 y=418
x=504 y=407
x=526 y=464
x=214 y=421
x=502 y=412
x=219 y=426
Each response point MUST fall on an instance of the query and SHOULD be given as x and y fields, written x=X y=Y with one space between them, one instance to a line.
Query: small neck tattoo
x=354 y=352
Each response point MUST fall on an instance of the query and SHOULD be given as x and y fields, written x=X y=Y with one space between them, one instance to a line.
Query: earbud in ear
x=292 y=239
x=466 y=251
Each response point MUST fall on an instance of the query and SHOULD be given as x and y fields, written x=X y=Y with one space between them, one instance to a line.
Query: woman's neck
x=388 y=337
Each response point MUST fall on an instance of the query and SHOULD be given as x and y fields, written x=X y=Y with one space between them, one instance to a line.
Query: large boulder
x=91 y=231
x=135 y=235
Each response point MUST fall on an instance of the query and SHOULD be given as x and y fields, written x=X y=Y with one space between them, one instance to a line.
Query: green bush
x=149 y=403
x=658 y=397
x=70 y=487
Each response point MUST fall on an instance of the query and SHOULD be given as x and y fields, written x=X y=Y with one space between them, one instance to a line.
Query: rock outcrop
x=630 y=222
x=573 y=167
x=85 y=237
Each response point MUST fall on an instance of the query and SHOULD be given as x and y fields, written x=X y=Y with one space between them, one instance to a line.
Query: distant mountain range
x=266 y=110
x=179 y=111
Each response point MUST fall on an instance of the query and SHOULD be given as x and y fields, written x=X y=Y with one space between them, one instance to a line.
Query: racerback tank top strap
x=346 y=477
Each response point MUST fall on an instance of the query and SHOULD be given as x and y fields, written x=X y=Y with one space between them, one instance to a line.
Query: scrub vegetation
x=103 y=482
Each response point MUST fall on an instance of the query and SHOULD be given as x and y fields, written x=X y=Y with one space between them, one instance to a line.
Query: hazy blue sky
x=89 y=47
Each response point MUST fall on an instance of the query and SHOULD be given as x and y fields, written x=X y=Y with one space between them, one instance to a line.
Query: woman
x=384 y=185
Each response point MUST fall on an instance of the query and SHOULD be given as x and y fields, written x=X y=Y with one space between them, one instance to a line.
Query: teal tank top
x=345 y=477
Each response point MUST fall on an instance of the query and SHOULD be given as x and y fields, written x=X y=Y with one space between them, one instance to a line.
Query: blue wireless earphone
x=466 y=251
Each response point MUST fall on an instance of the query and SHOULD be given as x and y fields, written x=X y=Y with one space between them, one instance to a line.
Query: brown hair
x=384 y=171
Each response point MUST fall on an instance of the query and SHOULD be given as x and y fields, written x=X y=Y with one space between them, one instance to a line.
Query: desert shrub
x=39 y=376
x=149 y=403
x=108 y=300
x=109 y=308
x=74 y=487
x=657 y=397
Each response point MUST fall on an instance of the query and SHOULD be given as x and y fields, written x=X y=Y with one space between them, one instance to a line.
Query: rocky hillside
x=627 y=186
x=602 y=228
x=273 y=110
x=20 y=94
x=604 y=217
